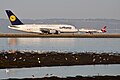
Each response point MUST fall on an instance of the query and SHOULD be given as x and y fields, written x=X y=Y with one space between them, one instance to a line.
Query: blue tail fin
x=13 y=19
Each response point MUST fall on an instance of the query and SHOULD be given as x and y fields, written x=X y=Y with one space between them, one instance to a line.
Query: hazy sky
x=68 y=9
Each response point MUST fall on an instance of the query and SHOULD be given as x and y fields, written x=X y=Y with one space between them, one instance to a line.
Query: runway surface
x=14 y=35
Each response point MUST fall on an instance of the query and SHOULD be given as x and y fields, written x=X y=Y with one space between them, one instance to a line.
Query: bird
x=7 y=71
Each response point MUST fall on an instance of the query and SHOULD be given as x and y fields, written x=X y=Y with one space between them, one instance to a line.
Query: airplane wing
x=91 y=32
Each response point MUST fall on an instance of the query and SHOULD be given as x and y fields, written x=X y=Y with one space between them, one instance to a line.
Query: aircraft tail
x=13 y=19
x=104 y=29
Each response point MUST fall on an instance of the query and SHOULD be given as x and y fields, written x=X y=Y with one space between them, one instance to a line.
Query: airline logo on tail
x=104 y=29
x=13 y=19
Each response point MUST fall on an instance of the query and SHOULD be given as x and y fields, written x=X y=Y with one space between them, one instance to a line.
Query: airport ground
x=74 y=35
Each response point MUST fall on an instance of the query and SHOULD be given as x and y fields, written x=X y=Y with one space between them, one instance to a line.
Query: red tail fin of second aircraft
x=104 y=29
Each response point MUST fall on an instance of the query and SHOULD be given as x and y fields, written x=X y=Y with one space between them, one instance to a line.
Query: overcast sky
x=68 y=9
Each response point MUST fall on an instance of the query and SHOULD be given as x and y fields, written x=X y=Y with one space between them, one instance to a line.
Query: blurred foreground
x=21 y=59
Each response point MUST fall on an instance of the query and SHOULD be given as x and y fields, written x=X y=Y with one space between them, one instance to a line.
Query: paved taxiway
x=14 y=35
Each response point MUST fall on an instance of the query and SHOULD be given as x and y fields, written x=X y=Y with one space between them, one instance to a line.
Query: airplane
x=91 y=31
x=39 y=28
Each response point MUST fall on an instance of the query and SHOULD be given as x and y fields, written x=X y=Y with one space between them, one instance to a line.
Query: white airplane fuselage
x=90 y=30
x=37 y=28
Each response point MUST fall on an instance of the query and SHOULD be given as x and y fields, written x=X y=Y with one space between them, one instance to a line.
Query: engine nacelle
x=49 y=31
x=52 y=31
